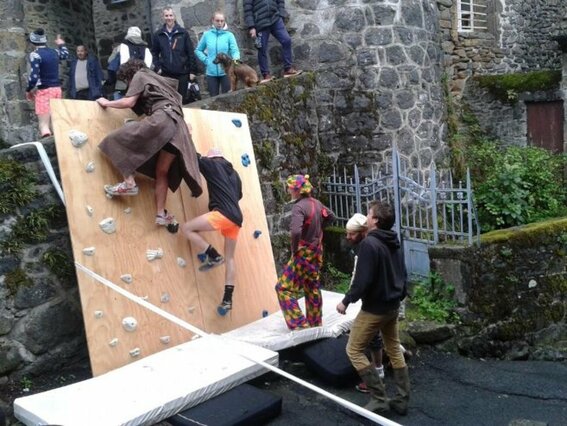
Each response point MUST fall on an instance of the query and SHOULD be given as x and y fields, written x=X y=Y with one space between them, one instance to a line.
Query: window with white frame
x=472 y=15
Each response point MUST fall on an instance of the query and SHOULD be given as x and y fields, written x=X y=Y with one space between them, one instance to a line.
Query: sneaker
x=165 y=220
x=224 y=307
x=121 y=189
x=209 y=262
x=361 y=387
x=267 y=77
x=291 y=72
x=380 y=371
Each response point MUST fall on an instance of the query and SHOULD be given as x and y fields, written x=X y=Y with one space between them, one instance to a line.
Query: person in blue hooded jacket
x=217 y=40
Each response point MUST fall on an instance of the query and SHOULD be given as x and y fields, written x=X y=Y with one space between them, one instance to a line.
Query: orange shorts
x=42 y=97
x=222 y=224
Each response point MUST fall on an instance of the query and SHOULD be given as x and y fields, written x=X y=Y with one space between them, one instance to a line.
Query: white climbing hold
x=90 y=167
x=134 y=353
x=181 y=262
x=90 y=211
x=165 y=339
x=144 y=297
x=77 y=138
x=98 y=314
x=108 y=225
x=127 y=278
x=128 y=210
x=195 y=337
x=89 y=251
x=164 y=298
x=129 y=324
x=113 y=342
x=152 y=254
x=532 y=284
x=191 y=309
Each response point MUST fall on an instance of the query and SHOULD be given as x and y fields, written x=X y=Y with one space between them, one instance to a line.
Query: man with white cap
x=43 y=81
x=225 y=216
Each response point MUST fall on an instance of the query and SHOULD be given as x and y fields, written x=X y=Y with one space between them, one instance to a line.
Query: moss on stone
x=507 y=87
x=16 y=185
x=527 y=234
x=16 y=279
x=59 y=263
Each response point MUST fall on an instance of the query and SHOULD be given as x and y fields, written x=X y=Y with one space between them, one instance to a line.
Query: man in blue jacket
x=380 y=280
x=173 y=52
x=85 y=76
x=265 y=17
x=217 y=40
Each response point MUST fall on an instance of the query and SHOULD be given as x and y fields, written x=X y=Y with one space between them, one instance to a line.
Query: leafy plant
x=433 y=299
x=26 y=384
x=335 y=279
x=59 y=263
x=16 y=186
x=516 y=185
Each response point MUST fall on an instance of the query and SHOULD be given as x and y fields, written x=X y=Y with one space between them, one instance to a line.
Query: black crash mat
x=242 y=405
x=328 y=359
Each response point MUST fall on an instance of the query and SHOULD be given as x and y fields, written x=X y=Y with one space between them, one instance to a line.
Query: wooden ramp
x=182 y=291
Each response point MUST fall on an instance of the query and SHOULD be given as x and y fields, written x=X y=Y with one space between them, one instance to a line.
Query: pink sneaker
x=121 y=189
x=165 y=220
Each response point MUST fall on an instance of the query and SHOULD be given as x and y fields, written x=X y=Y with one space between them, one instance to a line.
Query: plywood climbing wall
x=183 y=291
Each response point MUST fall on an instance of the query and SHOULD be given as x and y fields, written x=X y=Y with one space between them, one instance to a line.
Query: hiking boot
x=400 y=402
x=208 y=262
x=165 y=220
x=266 y=78
x=121 y=189
x=291 y=72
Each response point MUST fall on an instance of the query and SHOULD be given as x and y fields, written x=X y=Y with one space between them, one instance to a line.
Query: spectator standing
x=265 y=17
x=85 y=75
x=380 y=280
x=133 y=47
x=173 y=52
x=217 y=40
x=43 y=79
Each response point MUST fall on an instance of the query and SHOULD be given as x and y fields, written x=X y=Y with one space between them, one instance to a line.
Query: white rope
x=136 y=299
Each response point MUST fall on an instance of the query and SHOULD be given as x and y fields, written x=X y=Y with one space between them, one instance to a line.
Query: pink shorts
x=222 y=224
x=42 y=97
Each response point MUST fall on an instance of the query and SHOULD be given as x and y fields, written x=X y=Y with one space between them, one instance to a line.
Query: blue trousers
x=279 y=31
x=218 y=85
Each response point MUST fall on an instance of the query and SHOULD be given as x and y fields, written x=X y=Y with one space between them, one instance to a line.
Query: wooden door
x=545 y=125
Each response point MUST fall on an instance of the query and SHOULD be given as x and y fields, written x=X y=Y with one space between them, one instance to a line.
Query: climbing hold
x=237 y=122
x=265 y=313
x=245 y=158
x=78 y=138
x=108 y=225
x=90 y=211
x=181 y=262
x=127 y=278
x=128 y=210
x=164 y=298
x=98 y=314
x=113 y=342
x=129 y=323
x=90 y=167
x=134 y=353
x=257 y=233
x=191 y=309
x=89 y=251
x=154 y=254
x=165 y=340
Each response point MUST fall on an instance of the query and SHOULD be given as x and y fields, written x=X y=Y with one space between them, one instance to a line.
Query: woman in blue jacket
x=217 y=40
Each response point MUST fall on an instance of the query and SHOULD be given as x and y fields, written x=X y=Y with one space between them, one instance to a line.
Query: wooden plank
x=184 y=292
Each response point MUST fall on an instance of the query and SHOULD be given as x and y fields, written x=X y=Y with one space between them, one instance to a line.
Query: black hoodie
x=380 y=277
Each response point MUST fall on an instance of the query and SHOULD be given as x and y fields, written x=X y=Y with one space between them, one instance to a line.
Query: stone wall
x=513 y=289
x=41 y=326
x=72 y=19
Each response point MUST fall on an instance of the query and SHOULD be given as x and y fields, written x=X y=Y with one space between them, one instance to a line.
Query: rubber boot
x=400 y=402
x=378 y=400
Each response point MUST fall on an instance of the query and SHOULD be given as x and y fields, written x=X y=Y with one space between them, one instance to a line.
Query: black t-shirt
x=224 y=185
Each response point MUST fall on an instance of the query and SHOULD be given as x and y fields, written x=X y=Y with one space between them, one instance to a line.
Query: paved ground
x=447 y=390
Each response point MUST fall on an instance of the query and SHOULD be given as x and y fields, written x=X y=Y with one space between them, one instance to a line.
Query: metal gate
x=430 y=207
